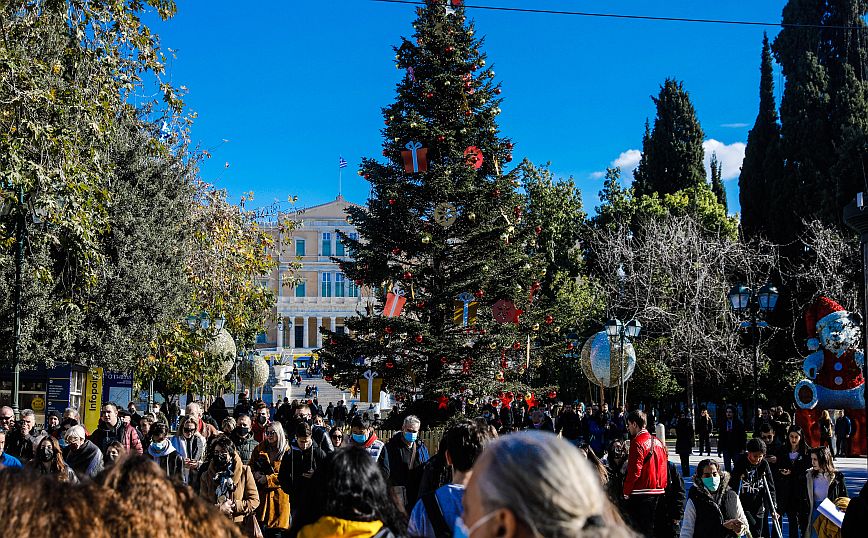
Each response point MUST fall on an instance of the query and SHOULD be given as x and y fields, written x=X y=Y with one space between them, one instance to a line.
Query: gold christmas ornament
x=426 y=238
x=471 y=217
x=535 y=326
x=445 y=214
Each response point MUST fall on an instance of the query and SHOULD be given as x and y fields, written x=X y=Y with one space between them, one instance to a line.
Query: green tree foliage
x=672 y=154
x=447 y=101
x=65 y=71
x=822 y=110
x=762 y=205
x=717 y=187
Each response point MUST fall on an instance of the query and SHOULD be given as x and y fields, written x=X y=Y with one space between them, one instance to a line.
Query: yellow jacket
x=332 y=527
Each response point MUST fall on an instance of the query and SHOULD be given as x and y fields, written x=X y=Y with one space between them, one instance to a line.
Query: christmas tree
x=443 y=245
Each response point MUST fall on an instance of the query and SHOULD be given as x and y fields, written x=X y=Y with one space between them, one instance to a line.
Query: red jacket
x=646 y=466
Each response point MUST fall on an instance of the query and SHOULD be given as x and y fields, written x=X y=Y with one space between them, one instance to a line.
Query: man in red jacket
x=646 y=475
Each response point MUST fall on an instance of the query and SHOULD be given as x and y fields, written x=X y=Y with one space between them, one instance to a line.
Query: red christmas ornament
x=535 y=286
x=538 y=230
x=510 y=145
x=443 y=360
x=332 y=342
x=420 y=304
x=450 y=49
x=497 y=91
x=441 y=138
x=468 y=113
x=408 y=275
x=479 y=294
x=473 y=157
x=442 y=402
x=418 y=338
x=552 y=394
x=496 y=193
x=359 y=282
x=390 y=365
x=388 y=330
x=508 y=157
x=392 y=201
x=328 y=378
x=516 y=346
x=465 y=366
x=385 y=153
x=549 y=319
x=429 y=95
x=396 y=251
x=570 y=346
x=516 y=211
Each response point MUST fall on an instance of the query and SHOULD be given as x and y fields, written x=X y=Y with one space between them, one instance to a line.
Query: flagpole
x=340 y=180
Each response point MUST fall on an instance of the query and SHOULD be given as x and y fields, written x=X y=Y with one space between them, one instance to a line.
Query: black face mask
x=262 y=419
x=46 y=454
x=222 y=460
x=242 y=431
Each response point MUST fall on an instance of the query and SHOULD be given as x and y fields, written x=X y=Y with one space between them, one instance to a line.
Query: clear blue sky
x=292 y=85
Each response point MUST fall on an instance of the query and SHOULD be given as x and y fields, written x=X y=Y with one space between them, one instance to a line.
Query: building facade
x=322 y=296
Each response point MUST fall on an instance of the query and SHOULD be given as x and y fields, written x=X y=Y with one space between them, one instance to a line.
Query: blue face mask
x=461 y=529
x=711 y=483
x=411 y=437
x=360 y=438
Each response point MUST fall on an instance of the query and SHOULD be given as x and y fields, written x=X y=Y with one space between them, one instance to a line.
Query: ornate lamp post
x=22 y=212
x=742 y=299
x=211 y=326
x=618 y=331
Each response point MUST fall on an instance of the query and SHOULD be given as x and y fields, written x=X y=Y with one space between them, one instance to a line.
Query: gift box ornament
x=415 y=158
x=394 y=304
x=465 y=309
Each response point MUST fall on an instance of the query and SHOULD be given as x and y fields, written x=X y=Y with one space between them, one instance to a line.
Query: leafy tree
x=448 y=102
x=717 y=187
x=672 y=154
x=762 y=169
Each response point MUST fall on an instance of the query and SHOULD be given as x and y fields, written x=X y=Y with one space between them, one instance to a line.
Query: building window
x=299 y=335
x=299 y=289
x=339 y=247
x=261 y=338
x=340 y=280
x=76 y=386
x=354 y=236
x=299 y=247
x=340 y=329
x=352 y=289
x=326 y=285
x=326 y=244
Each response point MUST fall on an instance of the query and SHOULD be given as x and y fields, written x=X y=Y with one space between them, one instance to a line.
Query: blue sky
x=292 y=85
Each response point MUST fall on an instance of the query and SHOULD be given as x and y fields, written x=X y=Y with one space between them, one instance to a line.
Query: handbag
x=251 y=527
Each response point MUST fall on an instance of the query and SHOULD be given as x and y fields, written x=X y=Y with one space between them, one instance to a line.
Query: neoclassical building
x=323 y=297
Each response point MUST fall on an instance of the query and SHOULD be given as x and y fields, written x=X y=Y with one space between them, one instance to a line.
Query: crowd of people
x=301 y=470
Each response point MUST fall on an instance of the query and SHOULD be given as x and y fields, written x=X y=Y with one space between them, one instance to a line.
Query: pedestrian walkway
x=327 y=392
x=854 y=469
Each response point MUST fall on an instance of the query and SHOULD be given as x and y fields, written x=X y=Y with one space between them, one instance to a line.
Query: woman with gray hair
x=534 y=484
x=83 y=456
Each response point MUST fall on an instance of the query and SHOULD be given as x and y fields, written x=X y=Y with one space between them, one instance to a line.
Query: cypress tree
x=762 y=164
x=717 y=181
x=672 y=157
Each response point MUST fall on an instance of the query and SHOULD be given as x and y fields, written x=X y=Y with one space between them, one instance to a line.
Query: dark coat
x=703 y=425
x=684 y=436
x=713 y=510
x=405 y=467
x=297 y=468
x=754 y=480
x=856 y=518
x=732 y=440
x=789 y=487
x=670 y=506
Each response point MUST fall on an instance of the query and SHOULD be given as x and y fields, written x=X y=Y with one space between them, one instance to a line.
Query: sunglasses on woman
x=189 y=430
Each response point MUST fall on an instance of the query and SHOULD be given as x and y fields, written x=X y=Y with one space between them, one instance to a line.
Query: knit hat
x=818 y=315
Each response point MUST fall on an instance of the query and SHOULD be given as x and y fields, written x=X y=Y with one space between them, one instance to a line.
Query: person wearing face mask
x=227 y=483
x=297 y=467
x=113 y=454
x=261 y=420
x=48 y=460
x=163 y=453
x=713 y=509
x=81 y=454
x=752 y=472
x=243 y=440
x=190 y=446
x=406 y=453
x=362 y=434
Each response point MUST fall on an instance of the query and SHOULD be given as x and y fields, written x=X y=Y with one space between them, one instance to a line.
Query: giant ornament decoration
x=601 y=360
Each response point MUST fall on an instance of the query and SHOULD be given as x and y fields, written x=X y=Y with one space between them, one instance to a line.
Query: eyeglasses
x=271 y=432
x=186 y=430
x=337 y=436
x=10 y=417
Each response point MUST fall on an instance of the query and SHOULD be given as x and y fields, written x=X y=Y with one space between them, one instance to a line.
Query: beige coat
x=245 y=495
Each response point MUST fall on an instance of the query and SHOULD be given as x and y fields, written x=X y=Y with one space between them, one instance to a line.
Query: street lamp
x=206 y=323
x=742 y=299
x=22 y=212
x=618 y=330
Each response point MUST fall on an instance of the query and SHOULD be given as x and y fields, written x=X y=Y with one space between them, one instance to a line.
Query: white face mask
x=461 y=529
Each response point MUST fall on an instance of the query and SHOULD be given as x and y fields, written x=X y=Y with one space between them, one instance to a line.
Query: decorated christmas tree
x=443 y=246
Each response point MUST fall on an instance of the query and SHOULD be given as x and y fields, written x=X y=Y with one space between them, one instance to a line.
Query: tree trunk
x=691 y=402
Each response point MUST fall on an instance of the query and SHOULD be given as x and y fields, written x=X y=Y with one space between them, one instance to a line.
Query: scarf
x=225 y=485
x=85 y=459
x=158 y=452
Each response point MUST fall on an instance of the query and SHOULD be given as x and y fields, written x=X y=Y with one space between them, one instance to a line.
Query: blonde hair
x=567 y=499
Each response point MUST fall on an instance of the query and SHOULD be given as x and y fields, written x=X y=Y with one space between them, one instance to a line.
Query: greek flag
x=342 y=163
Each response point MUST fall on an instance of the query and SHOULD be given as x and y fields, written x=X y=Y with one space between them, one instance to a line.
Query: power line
x=635 y=17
